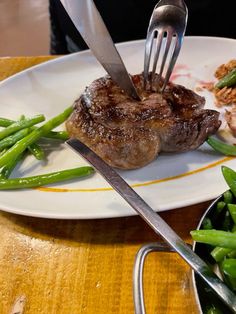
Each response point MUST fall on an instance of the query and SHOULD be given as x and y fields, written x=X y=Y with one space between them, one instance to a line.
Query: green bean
x=45 y=179
x=227 y=222
x=230 y=178
x=34 y=148
x=230 y=281
x=59 y=135
x=207 y=224
x=37 y=151
x=215 y=237
x=219 y=146
x=219 y=207
x=232 y=254
x=12 y=139
x=21 y=145
x=21 y=124
x=228 y=197
x=218 y=253
x=6 y=170
x=4 y=122
x=213 y=310
x=228 y=80
x=232 y=210
x=233 y=228
x=2 y=152
x=219 y=213
x=229 y=267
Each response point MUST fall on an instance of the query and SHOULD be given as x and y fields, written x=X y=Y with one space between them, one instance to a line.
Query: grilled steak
x=129 y=134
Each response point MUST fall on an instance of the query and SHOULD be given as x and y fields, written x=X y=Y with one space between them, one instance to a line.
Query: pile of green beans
x=18 y=137
x=219 y=234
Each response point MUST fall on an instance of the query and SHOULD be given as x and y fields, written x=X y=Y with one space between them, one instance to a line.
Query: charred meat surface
x=129 y=134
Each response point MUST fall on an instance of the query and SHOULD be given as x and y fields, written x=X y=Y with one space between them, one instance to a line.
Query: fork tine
x=169 y=37
x=147 y=55
x=173 y=59
x=169 y=17
x=159 y=40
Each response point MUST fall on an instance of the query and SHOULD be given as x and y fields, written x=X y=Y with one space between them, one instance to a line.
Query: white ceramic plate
x=171 y=181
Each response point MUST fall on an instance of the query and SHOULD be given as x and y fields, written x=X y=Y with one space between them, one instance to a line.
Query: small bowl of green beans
x=215 y=242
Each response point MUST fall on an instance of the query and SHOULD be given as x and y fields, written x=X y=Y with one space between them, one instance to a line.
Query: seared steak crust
x=129 y=134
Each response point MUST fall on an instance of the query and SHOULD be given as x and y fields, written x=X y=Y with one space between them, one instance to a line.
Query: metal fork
x=167 y=27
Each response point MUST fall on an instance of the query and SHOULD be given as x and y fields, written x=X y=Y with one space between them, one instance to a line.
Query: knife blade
x=91 y=27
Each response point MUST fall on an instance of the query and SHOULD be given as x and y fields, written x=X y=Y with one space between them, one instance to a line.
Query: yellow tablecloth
x=71 y=267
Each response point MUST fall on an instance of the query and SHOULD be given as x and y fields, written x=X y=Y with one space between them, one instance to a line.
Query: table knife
x=91 y=27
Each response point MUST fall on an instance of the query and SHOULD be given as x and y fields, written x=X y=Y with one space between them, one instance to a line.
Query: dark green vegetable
x=213 y=310
x=12 y=139
x=45 y=179
x=219 y=207
x=207 y=224
x=230 y=281
x=228 y=197
x=230 y=178
x=229 y=267
x=227 y=222
x=215 y=237
x=21 y=145
x=21 y=124
x=232 y=254
x=59 y=135
x=219 y=146
x=228 y=80
x=232 y=210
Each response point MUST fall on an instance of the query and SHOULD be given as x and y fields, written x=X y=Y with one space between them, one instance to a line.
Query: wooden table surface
x=85 y=266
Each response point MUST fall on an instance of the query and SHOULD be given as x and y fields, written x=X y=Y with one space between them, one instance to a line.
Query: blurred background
x=24 y=27
x=25 y=24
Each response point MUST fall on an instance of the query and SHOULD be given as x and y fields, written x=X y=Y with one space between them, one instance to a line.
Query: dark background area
x=128 y=20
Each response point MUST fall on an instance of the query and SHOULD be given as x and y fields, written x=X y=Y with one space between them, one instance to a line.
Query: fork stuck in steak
x=129 y=134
